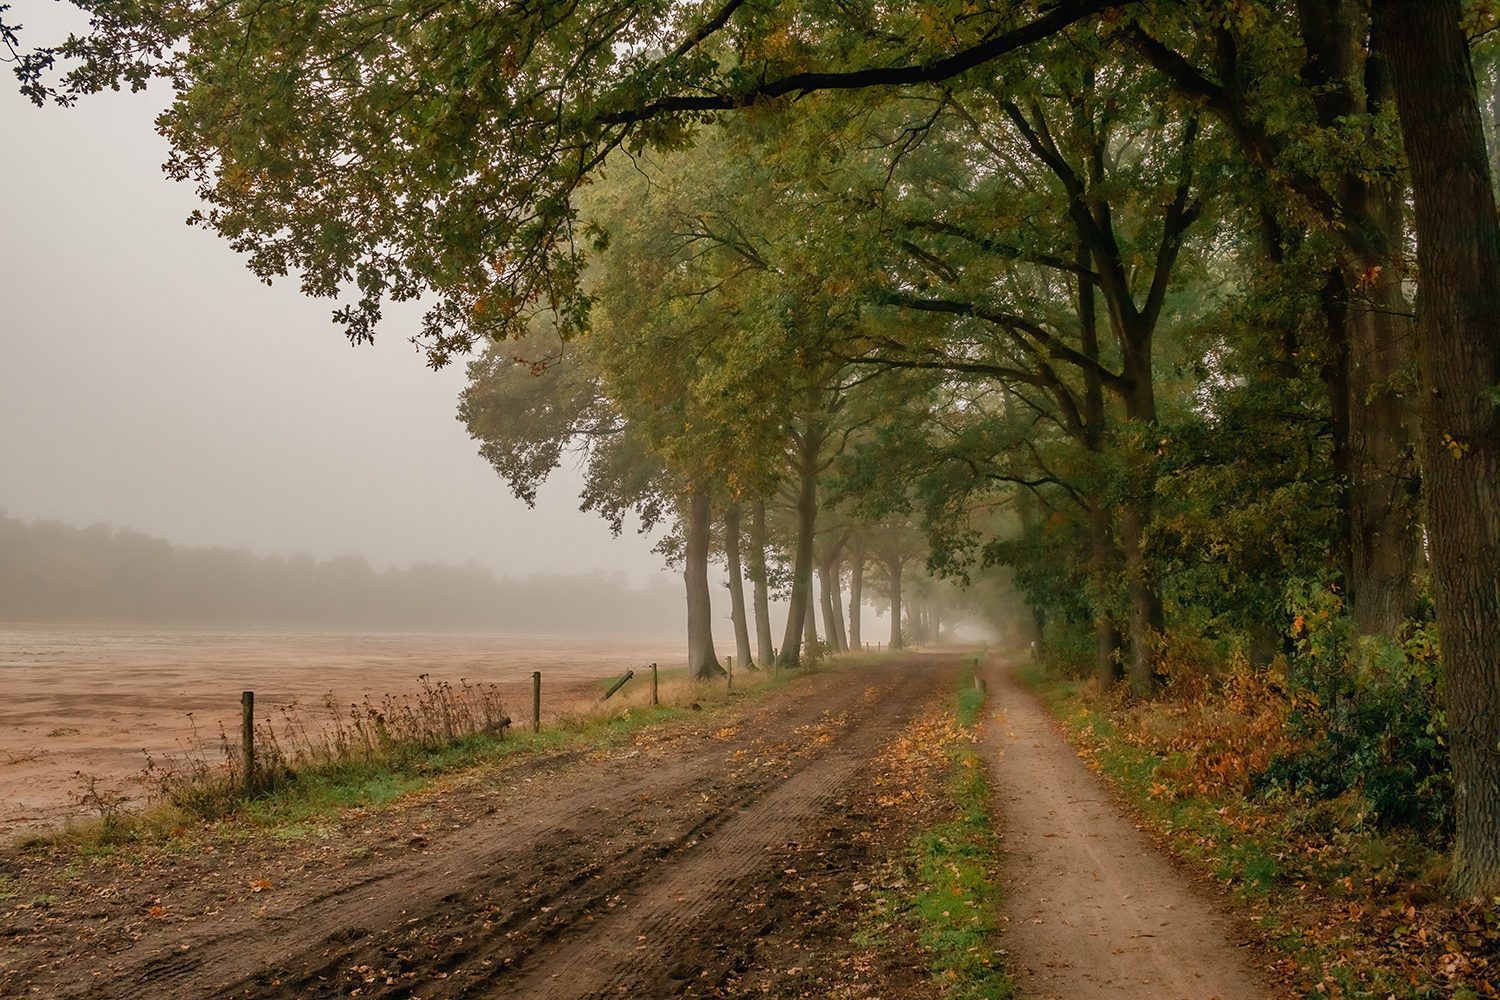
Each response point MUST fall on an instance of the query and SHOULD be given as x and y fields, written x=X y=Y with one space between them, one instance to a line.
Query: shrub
x=1373 y=722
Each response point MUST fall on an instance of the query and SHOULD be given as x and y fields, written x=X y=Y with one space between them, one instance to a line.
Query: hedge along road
x=609 y=873
x=1093 y=908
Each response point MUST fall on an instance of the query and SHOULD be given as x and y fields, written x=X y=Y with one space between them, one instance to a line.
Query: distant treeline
x=54 y=572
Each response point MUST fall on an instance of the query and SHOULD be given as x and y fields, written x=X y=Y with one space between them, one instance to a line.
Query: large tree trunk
x=1458 y=351
x=1383 y=495
x=1346 y=77
x=893 y=574
x=1146 y=617
x=702 y=662
x=835 y=581
x=856 y=590
x=758 y=583
x=1335 y=375
x=736 y=587
x=825 y=603
x=809 y=444
x=810 y=623
x=1107 y=667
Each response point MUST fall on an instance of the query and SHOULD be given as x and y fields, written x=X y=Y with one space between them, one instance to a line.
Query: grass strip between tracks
x=952 y=891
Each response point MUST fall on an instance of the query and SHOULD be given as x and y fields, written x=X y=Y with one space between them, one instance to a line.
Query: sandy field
x=97 y=701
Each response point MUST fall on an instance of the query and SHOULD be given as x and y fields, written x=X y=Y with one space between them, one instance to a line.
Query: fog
x=149 y=381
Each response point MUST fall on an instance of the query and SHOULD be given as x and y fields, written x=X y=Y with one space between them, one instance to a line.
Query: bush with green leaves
x=1374 y=724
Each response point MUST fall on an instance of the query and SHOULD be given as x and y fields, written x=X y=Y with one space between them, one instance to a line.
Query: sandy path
x=1094 y=909
x=610 y=874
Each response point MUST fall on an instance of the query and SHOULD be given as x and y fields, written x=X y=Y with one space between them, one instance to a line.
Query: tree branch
x=1062 y=14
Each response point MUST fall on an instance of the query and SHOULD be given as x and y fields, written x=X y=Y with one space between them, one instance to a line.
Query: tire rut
x=632 y=949
x=690 y=816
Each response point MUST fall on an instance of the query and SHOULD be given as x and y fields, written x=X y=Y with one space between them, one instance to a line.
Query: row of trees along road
x=1180 y=310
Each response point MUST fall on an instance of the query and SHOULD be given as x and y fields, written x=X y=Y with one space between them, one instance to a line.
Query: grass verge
x=1344 y=911
x=950 y=899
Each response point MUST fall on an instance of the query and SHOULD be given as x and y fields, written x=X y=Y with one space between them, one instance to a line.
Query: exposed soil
x=729 y=854
x=1094 y=909
x=97 y=700
x=682 y=862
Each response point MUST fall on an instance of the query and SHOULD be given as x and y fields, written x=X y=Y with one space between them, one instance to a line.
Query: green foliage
x=1374 y=723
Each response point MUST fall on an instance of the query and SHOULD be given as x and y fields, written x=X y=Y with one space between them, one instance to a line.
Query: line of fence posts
x=247 y=712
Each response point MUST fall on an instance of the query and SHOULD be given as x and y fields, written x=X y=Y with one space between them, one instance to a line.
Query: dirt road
x=1095 y=910
x=724 y=855
x=643 y=870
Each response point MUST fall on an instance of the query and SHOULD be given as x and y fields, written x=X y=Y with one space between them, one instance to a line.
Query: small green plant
x=105 y=803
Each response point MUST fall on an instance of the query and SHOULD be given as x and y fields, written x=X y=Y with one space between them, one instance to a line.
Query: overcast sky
x=149 y=381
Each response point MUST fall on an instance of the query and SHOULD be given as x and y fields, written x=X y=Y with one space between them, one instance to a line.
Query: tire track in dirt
x=1094 y=908
x=600 y=853
x=639 y=946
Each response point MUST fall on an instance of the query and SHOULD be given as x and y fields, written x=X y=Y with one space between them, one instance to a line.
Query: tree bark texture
x=702 y=662
x=1146 y=616
x=809 y=444
x=1346 y=74
x=835 y=580
x=760 y=589
x=1458 y=352
x=856 y=590
x=1107 y=666
x=736 y=587
x=825 y=603
x=810 y=623
x=893 y=574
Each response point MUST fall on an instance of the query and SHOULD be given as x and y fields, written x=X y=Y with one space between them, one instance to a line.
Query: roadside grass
x=311 y=780
x=1345 y=911
x=949 y=892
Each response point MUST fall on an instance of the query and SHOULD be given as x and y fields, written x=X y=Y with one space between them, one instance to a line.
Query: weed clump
x=337 y=743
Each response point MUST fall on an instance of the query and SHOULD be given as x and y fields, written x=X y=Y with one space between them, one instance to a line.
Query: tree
x=1322 y=127
x=736 y=585
x=1458 y=346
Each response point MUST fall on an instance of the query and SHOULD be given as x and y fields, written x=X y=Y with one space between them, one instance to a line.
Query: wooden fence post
x=536 y=701
x=654 y=699
x=247 y=737
x=729 y=672
x=617 y=685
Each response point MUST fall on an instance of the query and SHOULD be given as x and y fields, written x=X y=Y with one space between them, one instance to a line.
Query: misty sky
x=149 y=381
